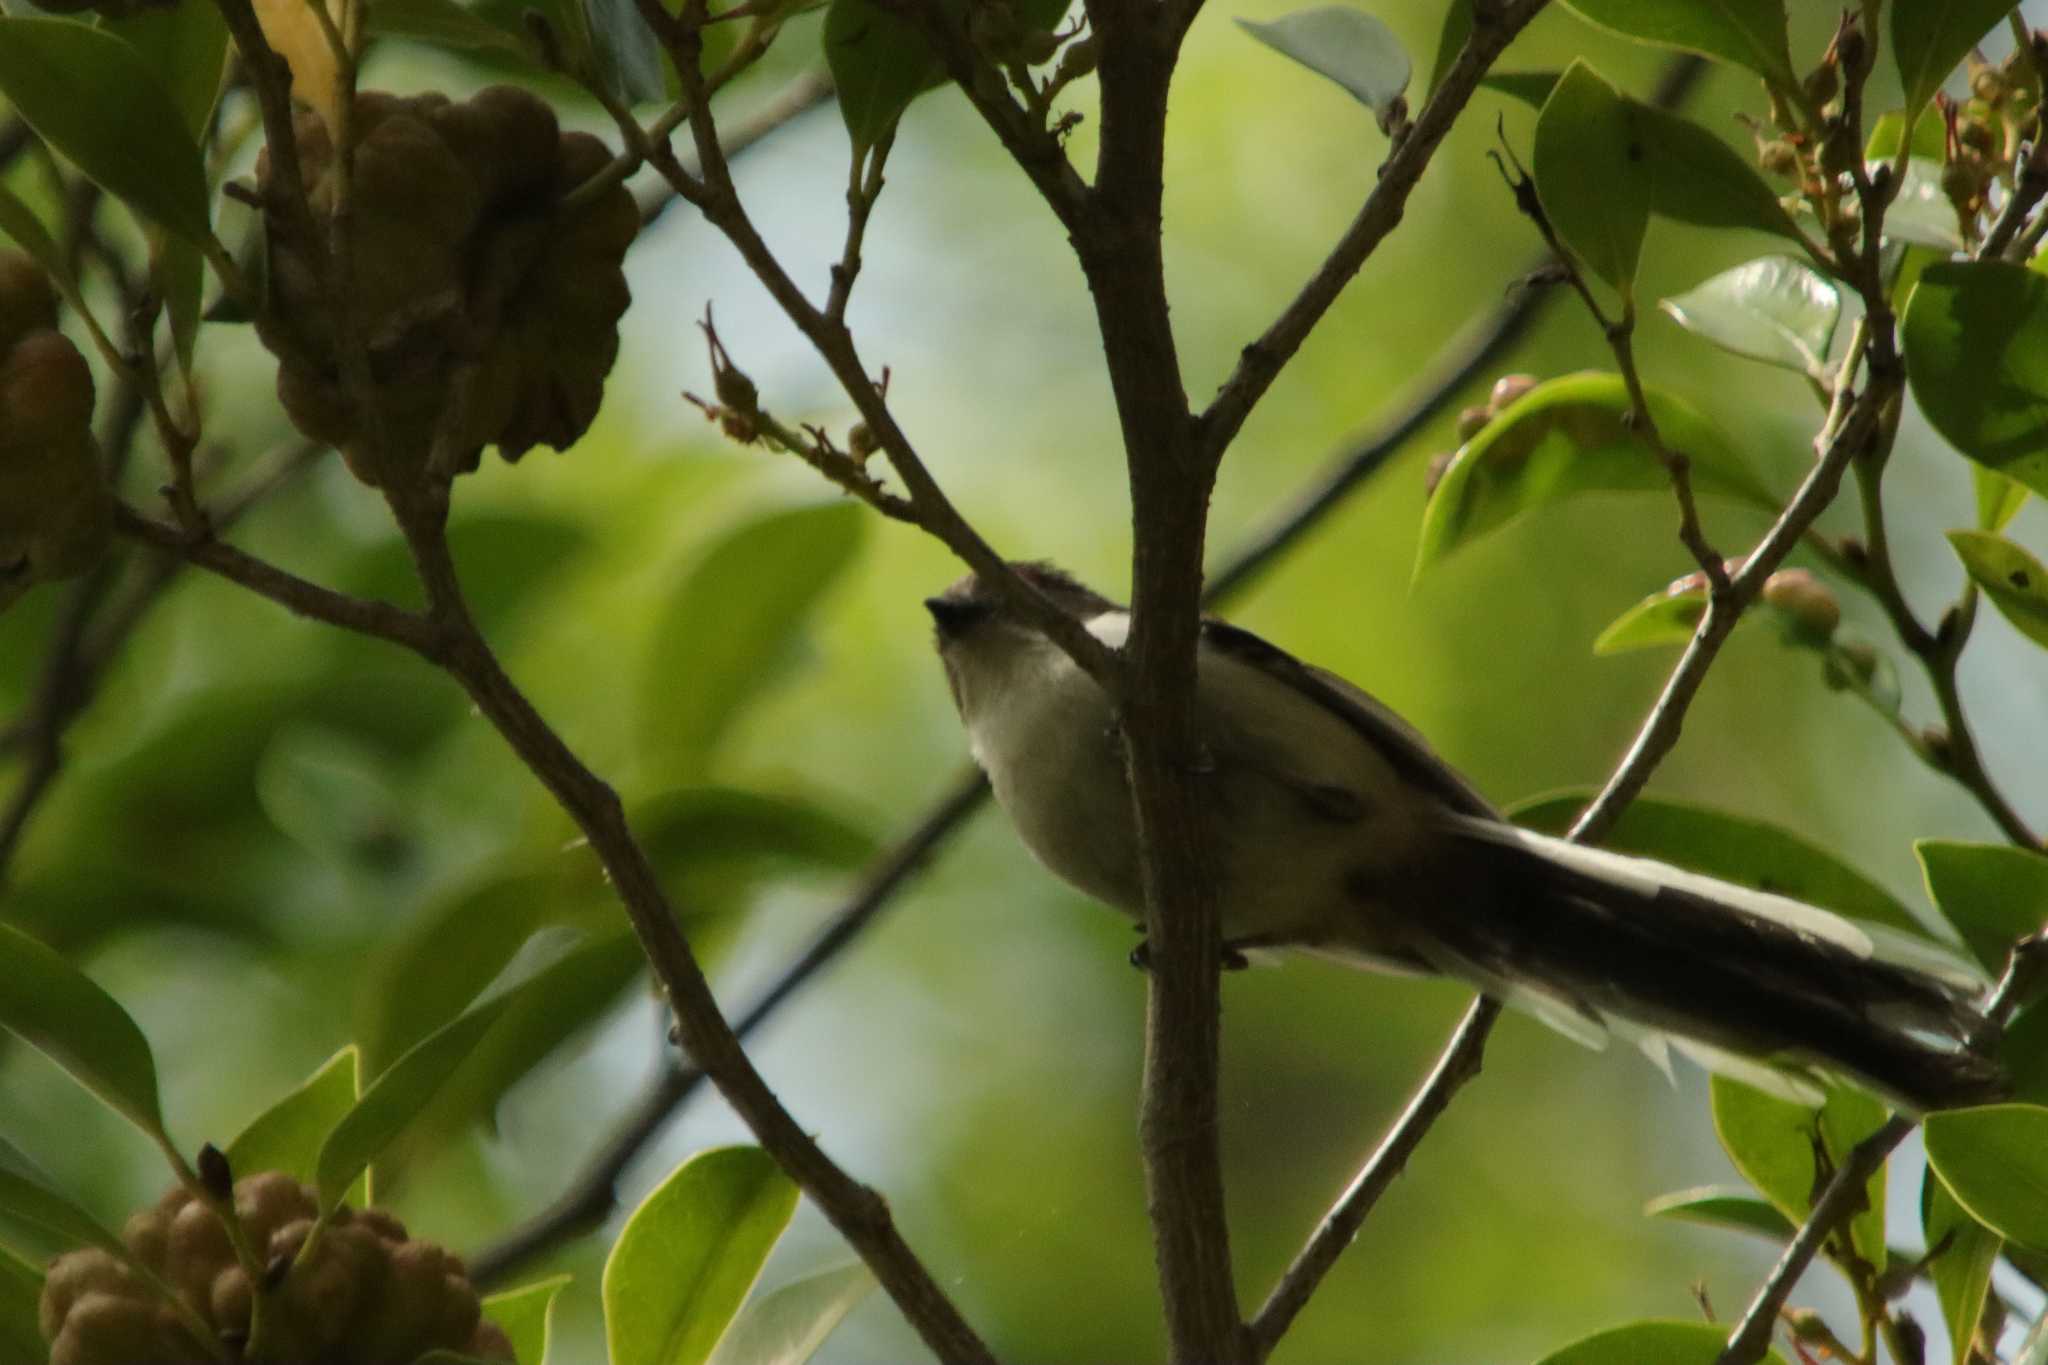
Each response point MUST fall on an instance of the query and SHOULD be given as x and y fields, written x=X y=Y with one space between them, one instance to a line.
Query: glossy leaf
x=1697 y=178
x=526 y=1316
x=1962 y=1270
x=1588 y=163
x=1723 y=1208
x=1663 y=618
x=63 y=1013
x=1347 y=45
x=1652 y=1343
x=1530 y=87
x=288 y=1136
x=1994 y=1160
x=2015 y=581
x=21 y=1292
x=787 y=1325
x=445 y=23
x=1921 y=213
x=89 y=95
x=1930 y=38
x=688 y=1255
x=1976 y=343
x=1570 y=436
x=1749 y=33
x=1772 y=1143
x=1999 y=499
x=29 y=1200
x=1930 y=136
x=1994 y=894
x=731 y=626
x=628 y=56
x=1775 y=309
x=1733 y=847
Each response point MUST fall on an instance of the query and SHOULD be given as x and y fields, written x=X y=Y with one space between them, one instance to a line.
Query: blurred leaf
x=2015 y=581
x=297 y=36
x=445 y=23
x=1930 y=38
x=1994 y=1160
x=718 y=842
x=1999 y=499
x=1749 y=33
x=1587 y=162
x=628 y=58
x=1348 y=46
x=1775 y=309
x=1569 y=436
x=1663 y=618
x=1733 y=847
x=443 y=1357
x=63 y=1013
x=288 y=1136
x=20 y=223
x=1530 y=87
x=526 y=1316
x=21 y=1292
x=880 y=61
x=730 y=627
x=1921 y=212
x=1930 y=136
x=1697 y=178
x=91 y=97
x=787 y=1325
x=507 y=559
x=1851 y=663
x=1720 y=1207
x=1994 y=894
x=1772 y=1142
x=1962 y=1271
x=186 y=46
x=1457 y=27
x=688 y=1255
x=330 y=793
x=27 y=1199
x=1652 y=1343
x=178 y=270
x=2023 y=1050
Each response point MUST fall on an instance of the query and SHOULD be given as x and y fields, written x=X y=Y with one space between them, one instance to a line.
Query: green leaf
x=288 y=1136
x=1994 y=1160
x=1851 y=663
x=1749 y=33
x=787 y=1325
x=2023 y=1051
x=718 y=843
x=880 y=62
x=1349 y=46
x=733 y=622
x=1652 y=1343
x=2015 y=581
x=628 y=56
x=1530 y=87
x=1930 y=137
x=1772 y=1143
x=1921 y=213
x=60 y=1011
x=21 y=1293
x=1775 y=309
x=1570 y=436
x=526 y=1315
x=1994 y=894
x=1663 y=618
x=688 y=1255
x=1720 y=1207
x=331 y=792
x=1962 y=1271
x=1697 y=178
x=1999 y=499
x=444 y=23
x=178 y=269
x=28 y=1200
x=1457 y=27
x=90 y=96
x=1733 y=847
x=1930 y=37
x=20 y=223
x=1588 y=163
x=187 y=47
x=1976 y=343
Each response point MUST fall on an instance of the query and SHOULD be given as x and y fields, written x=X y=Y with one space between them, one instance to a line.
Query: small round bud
x=860 y=441
x=46 y=391
x=736 y=391
x=1809 y=603
x=214 y=1172
x=1808 y=1325
x=1472 y=421
x=1779 y=158
x=1508 y=388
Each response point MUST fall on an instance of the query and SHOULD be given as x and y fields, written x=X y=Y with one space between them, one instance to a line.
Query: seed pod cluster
x=56 y=508
x=366 y=1294
x=488 y=310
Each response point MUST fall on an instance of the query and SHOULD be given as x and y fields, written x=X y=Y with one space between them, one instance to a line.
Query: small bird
x=1341 y=833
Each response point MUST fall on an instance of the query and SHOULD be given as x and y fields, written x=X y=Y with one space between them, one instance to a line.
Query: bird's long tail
x=1736 y=977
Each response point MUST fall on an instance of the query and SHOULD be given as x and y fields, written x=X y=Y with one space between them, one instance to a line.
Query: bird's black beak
x=954 y=616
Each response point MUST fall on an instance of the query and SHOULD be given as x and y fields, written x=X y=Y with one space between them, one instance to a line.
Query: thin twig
x=804 y=93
